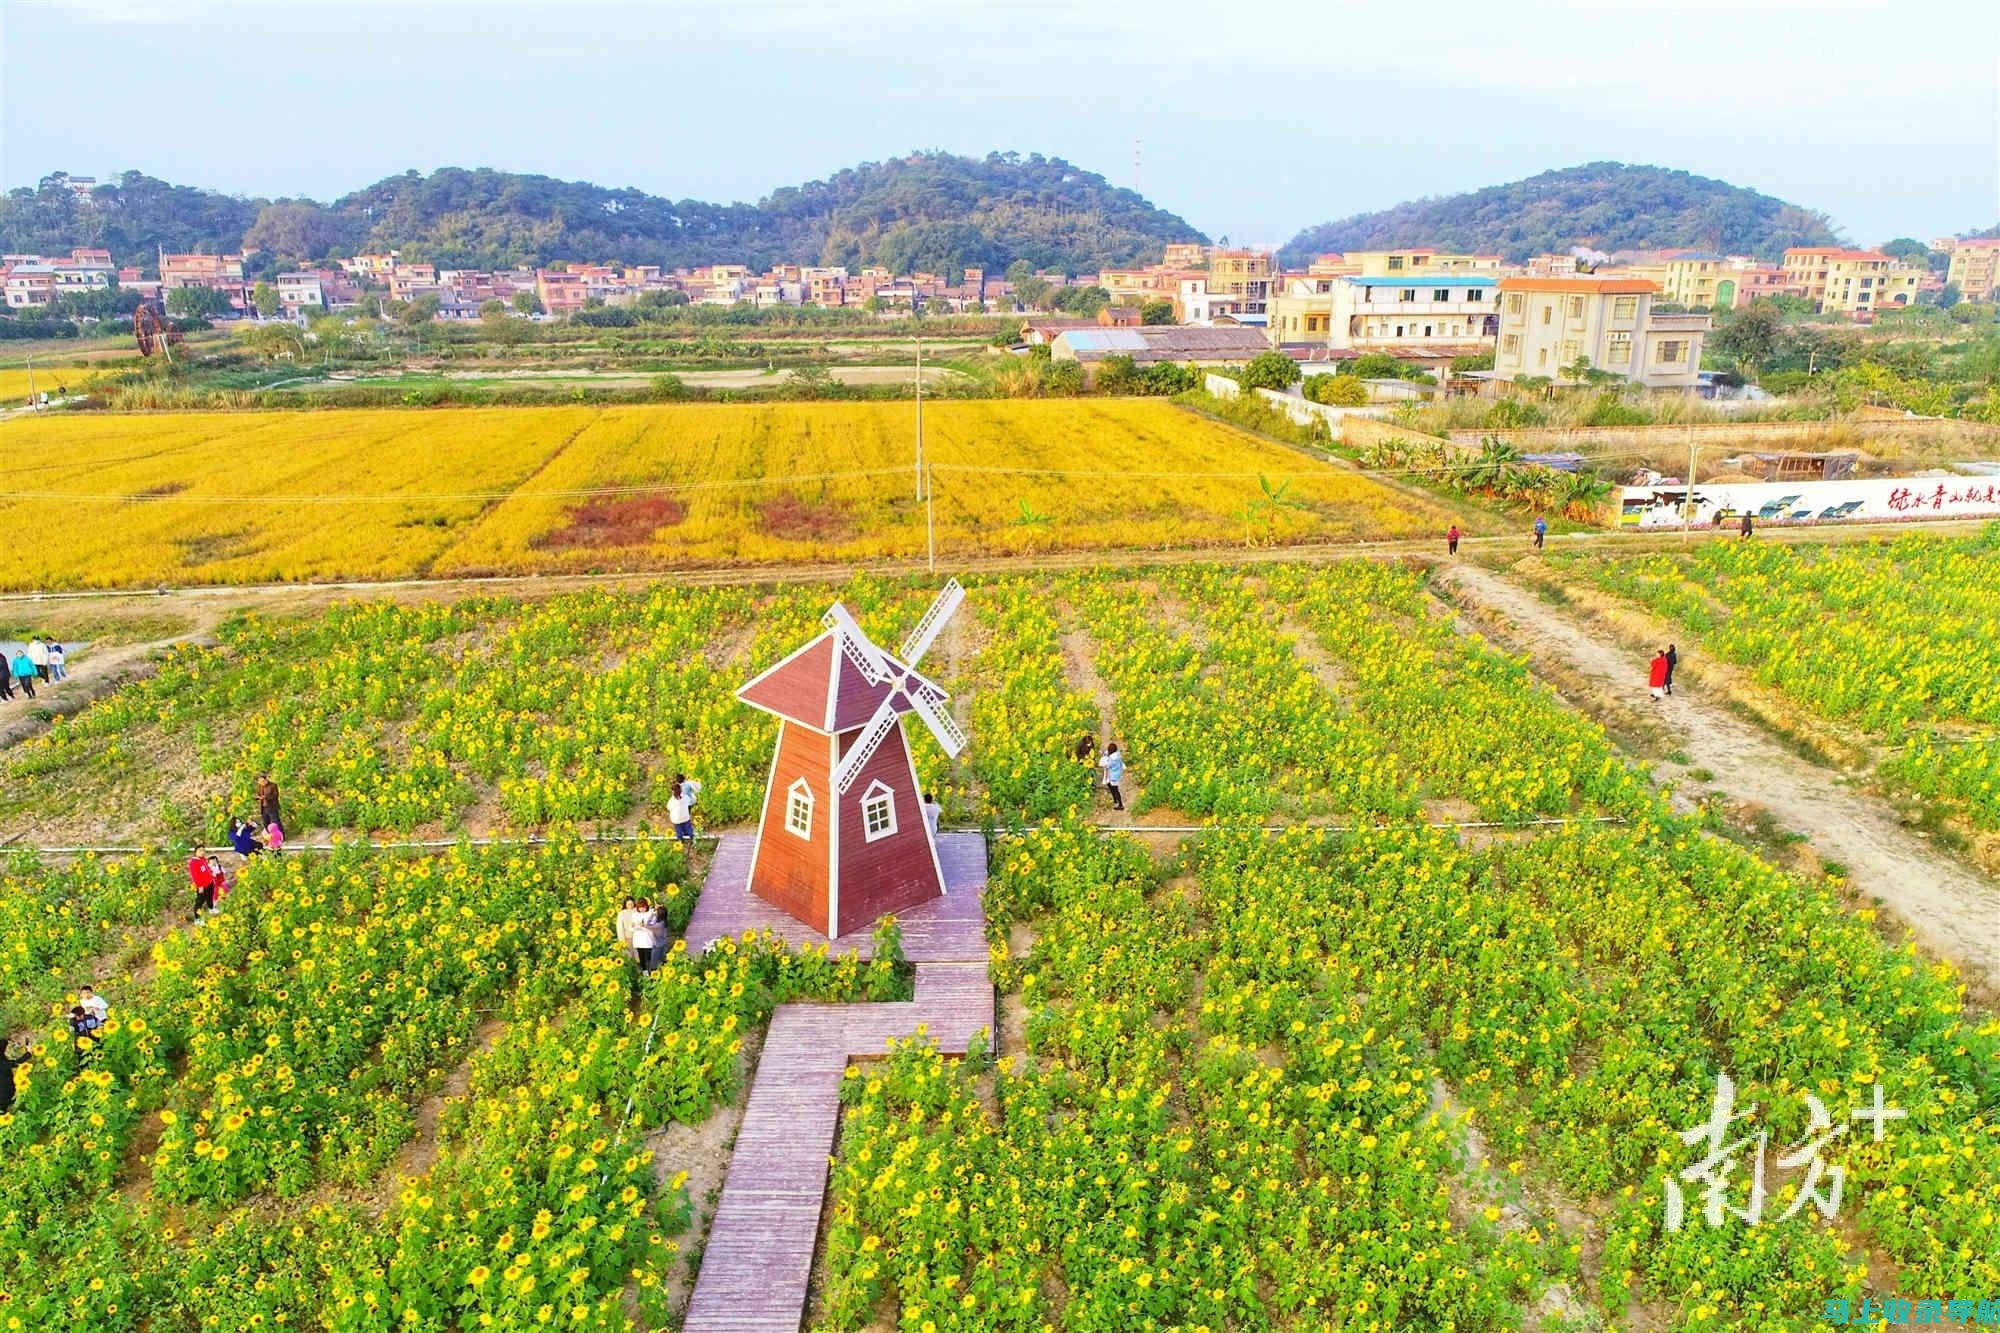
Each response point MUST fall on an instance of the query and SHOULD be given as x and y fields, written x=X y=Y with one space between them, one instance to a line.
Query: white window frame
x=879 y=792
x=799 y=802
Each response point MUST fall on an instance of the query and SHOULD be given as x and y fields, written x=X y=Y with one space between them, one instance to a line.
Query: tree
x=1749 y=338
x=1171 y=377
x=275 y=341
x=1156 y=312
x=492 y=309
x=420 y=311
x=1908 y=249
x=299 y=230
x=1064 y=378
x=1270 y=370
x=1118 y=375
x=1577 y=371
x=198 y=303
x=1337 y=390
x=527 y=302
x=265 y=297
x=810 y=381
x=1950 y=294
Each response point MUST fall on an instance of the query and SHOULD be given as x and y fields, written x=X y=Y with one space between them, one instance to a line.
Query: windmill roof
x=820 y=687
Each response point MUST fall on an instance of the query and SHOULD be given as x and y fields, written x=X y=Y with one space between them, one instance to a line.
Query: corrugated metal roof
x=1104 y=340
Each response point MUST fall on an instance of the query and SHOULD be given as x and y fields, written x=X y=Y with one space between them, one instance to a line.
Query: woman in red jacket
x=1657 y=678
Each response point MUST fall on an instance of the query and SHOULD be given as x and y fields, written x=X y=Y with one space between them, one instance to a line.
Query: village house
x=1851 y=282
x=1546 y=324
x=1973 y=265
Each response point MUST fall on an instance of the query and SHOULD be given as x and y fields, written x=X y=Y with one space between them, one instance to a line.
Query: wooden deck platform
x=759 y=1255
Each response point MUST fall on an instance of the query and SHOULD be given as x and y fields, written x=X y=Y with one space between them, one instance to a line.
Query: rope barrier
x=623 y=836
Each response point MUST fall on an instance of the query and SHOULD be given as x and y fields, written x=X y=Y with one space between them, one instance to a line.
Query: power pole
x=930 y=519
x=1687 y=509
x=920 y=406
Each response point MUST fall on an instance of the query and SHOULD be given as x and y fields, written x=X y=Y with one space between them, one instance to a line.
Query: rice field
x=279 y=496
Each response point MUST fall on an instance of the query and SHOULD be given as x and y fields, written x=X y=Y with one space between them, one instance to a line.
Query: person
x=83 y=1026
x=1086 y=748
x=24 y=672
x=1673 y=661
x=1541 y=531
x=57 y=670
x=646 y=936
x=933 y=812
x=1113 y=764
x=681 y=817
x=6 y=677
x=1656 y=678
x=99 y=1007
x=689 y=788
x=218 y=886
x=274 y=837
x=1451 y=540
x=9 y=1062
x=202 y=876
x=1749 y=524
x=628 y=917
x=267 y=802
x=38 y=653
x=243 y=838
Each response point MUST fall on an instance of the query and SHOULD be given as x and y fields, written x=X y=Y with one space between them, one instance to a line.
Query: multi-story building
x=1240 y=279
x=1416 y=260
x=1547 y=323
x=372 y=266
x=1851 y=282
x=300 y=291
x=1185 y=254
x=1698 y=279
x=223 y=271
x=1437 y=313
x=1974 y=266
x=31 y=283
x=559 y=292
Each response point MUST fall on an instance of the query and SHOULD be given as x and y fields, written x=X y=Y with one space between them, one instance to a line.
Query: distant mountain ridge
x=930 y=211
x=1602 y=205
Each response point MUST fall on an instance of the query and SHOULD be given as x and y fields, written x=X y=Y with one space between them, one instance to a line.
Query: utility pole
x=914 y=316
x=31 y=379
x=1687 y=509
x=930 y=518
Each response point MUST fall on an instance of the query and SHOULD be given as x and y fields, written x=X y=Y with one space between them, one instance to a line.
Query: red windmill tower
x=843 y=839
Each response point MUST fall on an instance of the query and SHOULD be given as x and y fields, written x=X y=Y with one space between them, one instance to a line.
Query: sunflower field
x=1407 y=1037
x=1899 y=639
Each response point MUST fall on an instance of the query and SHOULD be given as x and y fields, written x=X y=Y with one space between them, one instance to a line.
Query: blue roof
x=1428 y=280
x=1104 y=340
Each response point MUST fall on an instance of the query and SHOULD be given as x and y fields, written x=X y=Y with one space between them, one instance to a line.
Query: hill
x=1602 y=205
x=934 y=211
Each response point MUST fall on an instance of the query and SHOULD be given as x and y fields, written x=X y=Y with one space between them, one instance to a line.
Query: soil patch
x=804 y=520
x=609 y=522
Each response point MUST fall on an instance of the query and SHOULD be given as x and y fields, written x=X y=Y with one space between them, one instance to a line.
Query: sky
x=1250 y=119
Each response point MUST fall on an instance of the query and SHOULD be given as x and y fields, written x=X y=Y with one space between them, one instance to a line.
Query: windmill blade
x=943 y=726
x=941 y=610
x=860 y=649
x=857 y=757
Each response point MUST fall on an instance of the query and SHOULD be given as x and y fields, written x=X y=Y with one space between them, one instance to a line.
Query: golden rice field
x=14 y=382
x=285 y=496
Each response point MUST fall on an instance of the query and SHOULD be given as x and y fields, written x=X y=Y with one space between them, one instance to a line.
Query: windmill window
x=878 y=811
x=799 y=809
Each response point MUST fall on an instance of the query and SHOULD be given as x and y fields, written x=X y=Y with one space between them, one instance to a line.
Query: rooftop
x=1581 y=283
x=1428 y=280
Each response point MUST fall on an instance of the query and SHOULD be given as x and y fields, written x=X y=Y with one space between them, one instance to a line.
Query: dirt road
x=1954 y=910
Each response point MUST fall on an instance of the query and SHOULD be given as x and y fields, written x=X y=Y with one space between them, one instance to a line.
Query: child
x=274 y=837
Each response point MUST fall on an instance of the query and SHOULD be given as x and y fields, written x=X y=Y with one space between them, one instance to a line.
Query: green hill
x=934 y=211
x=1602 y=205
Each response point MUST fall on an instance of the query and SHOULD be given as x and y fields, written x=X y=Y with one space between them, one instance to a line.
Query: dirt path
x=299 y=597
x=1954 y=911
x=95 y=673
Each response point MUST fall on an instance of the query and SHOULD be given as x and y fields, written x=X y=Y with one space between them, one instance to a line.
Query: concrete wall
x=1807 y=435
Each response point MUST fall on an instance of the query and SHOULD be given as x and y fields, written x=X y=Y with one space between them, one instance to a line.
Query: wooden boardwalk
x=758 y=1259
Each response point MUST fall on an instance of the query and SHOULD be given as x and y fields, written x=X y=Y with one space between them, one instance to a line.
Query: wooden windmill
x=842 y=839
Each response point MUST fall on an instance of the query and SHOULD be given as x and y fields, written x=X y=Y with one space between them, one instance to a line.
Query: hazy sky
x=1250 y=120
